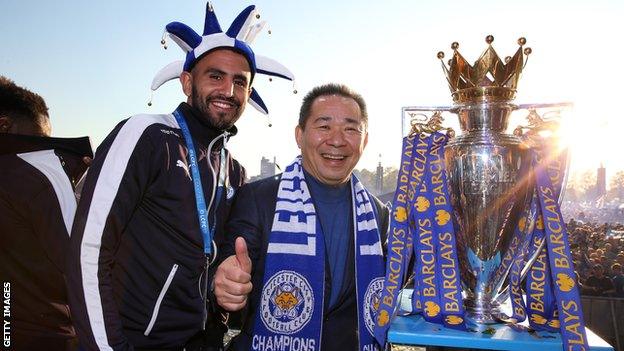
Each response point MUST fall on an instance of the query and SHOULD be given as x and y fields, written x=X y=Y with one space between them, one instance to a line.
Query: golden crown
x=489 y=79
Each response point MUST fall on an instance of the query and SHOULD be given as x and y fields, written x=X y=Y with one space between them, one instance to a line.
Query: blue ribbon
x=425 y=216
x=541 y=306
x=427 y=266
x=447 y=267
x=200 y=201
x=419 y=164
x=399 y=230
x=542 y=309
x=572 y=325
x=524 y=237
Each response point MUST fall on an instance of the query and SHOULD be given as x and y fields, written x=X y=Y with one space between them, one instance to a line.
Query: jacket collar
x=17 y=143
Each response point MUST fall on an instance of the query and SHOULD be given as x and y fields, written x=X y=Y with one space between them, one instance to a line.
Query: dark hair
x=18 y=103
x=330 y=89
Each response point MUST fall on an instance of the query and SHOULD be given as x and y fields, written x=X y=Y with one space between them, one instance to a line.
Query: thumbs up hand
x=232 y=282
x=242 y=256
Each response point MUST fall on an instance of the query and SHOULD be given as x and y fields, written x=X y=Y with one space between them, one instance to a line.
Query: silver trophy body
x=490 y=180
x=489 y=185
x=489 y=175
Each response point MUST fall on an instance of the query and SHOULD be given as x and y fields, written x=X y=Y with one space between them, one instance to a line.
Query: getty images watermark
x=6 y=314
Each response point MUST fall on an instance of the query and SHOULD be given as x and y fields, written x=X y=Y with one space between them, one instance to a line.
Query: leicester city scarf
x=290 y=313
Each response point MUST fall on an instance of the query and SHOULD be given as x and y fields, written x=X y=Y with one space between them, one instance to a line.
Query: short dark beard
x=217 y=121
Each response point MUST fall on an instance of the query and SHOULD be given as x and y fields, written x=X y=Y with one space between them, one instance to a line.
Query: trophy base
x=484 y=313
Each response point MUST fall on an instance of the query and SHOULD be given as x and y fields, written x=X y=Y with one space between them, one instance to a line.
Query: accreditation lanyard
x=200 y=200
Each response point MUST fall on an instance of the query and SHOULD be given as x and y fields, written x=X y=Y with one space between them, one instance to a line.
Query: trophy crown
x=489 y=79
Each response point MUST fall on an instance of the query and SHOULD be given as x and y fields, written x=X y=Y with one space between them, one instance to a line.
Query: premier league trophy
x=488 y=173
x=479 y=214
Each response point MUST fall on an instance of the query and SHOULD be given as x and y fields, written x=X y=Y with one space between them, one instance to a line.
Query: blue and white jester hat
x=238 y=37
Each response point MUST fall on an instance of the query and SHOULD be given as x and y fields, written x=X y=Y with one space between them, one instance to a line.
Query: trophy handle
x=425 y=119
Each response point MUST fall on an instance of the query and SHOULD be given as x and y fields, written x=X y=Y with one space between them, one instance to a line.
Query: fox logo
x=286 y=298
x=442 y=217
x=376 y=302
x=521 y=223
x=540 y=222
x=537 y=319
x=422 y=204
x=454 y=320
x=431 y=308
x=400 y=214
x=564 y=282
x=383 y=318
x=286 y=303
x=554 y=323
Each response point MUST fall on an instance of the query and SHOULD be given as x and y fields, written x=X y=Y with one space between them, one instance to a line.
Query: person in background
x=38 y=176
x=598 y=284
x=618 y=280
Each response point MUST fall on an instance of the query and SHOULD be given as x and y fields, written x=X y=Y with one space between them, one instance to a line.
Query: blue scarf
x=290 y=315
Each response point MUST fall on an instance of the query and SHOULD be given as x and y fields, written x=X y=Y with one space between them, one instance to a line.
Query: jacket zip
x=161 y=296
x=215 y=180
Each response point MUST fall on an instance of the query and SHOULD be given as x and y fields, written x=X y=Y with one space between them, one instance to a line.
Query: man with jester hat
x=155 y=199
x=310 y=241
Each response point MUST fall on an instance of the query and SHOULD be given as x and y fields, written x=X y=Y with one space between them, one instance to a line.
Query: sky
x=93 y=62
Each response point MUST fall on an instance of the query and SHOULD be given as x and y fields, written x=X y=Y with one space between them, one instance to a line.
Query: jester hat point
x=238 y=38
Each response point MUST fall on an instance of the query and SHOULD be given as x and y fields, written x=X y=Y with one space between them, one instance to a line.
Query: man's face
x=219 y=86
x=333 y=139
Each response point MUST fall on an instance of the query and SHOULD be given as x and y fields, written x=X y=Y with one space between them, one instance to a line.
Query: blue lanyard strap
x=200 y=200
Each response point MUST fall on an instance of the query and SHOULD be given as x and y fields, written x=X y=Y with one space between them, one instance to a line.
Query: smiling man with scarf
x=311 y=240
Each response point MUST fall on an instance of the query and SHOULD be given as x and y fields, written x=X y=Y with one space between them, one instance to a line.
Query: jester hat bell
x=238 y=37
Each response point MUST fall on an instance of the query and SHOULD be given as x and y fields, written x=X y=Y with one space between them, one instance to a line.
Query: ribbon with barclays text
x=422 y=227
x=564 y=282
x=422 y=221
x=399 y=228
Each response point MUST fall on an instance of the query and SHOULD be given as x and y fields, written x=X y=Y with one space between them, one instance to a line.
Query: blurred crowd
x=598 y=254
x=595 y=211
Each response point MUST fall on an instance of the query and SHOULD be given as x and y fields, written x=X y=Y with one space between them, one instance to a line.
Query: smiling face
x=332 y=139
x=218 y=86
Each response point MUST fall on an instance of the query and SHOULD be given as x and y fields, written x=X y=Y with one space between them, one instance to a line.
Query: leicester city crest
x=287 y=302
x=372 y=298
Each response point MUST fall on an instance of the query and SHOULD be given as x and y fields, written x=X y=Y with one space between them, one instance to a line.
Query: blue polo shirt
x=334 y=211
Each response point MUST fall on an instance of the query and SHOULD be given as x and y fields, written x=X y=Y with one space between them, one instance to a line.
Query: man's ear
x=186 y=79
x=298 y=135
x=365 y=140
x=5 y=124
